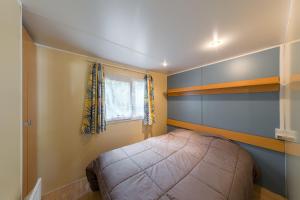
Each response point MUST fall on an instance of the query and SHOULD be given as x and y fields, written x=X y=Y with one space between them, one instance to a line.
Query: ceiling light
x=165 y=63
x=215 y=43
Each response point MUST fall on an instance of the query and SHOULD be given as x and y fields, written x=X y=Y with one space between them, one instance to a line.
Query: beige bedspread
x=181 y=165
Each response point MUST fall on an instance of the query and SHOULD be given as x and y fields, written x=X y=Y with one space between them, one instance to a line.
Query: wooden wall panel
x=263 y=142
x=269 y=84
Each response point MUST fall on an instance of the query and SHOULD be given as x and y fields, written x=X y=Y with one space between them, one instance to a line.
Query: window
x=124 y=98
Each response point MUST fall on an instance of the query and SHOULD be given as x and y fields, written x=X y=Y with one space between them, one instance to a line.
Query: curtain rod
x=118 y=67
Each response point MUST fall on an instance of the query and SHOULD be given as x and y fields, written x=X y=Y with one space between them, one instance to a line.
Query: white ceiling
x=144 y=33
x=293 y=30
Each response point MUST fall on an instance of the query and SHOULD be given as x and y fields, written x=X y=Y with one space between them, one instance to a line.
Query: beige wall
x=10 y=102
x=63 y=152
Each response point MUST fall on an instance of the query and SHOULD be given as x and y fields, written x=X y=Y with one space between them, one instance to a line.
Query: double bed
x=180 y=165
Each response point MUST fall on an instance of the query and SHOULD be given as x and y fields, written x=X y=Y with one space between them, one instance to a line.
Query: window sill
x=123 y=121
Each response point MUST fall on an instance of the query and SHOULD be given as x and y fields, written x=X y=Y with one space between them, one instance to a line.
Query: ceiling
x=144 y=33
x=293 y=30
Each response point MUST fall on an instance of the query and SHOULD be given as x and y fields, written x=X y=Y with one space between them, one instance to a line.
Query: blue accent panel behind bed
x=186 y=108
x=271 y=164
x=251 y=113
x=255 y=113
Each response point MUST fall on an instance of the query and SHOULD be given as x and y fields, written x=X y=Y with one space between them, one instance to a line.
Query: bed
x=180 y=165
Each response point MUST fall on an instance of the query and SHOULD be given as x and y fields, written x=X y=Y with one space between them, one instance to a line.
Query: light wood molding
x=261 y=193
x=292 y=148
x=295 y=78
x=270 y=84
x=264 y=142
x=294 y=82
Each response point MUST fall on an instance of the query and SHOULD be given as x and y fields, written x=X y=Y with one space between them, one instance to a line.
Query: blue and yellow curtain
x=149 y=116
x=93 y=120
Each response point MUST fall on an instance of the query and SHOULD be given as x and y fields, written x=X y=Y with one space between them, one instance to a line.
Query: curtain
x=149 y=116
x=93 y=119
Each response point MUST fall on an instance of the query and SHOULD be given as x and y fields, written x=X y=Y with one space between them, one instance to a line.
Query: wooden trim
x=270 y=84
x=295 y=78
x=292 y=148
x=267 y=143
x=294 y=82
x=261 y=193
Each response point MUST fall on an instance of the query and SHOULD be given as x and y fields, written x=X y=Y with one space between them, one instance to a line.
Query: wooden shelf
x=270 y=84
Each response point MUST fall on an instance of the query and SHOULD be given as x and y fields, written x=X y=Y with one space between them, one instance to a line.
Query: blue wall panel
x=271 y=165
x=250 y=113
x=258 y=65
x=185 y=108
x=186 y=79
x=264 y=114
x=226 y=111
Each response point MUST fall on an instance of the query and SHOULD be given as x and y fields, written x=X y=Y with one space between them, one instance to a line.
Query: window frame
x=119 y=120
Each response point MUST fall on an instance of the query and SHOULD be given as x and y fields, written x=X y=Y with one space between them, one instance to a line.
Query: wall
x=11 y=99
x=293 y=116
x=292 y=92
x=250 y=113
x=63 y=152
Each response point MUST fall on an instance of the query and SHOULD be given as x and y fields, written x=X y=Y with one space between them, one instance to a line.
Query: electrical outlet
x=287 y=135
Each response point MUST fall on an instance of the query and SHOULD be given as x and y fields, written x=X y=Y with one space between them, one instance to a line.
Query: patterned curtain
x=94 y=104
x=149 y=116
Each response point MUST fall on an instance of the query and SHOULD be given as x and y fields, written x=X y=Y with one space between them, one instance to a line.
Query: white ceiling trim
x=292 y=42
x=226 y=59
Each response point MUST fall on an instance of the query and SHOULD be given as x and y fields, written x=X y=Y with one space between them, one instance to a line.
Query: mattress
x=180 y=165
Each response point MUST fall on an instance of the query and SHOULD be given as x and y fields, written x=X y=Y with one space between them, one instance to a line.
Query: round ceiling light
x=165 y=63
x=215 y=43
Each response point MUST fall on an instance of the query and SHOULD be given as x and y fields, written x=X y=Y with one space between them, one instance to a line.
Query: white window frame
x=132 y=101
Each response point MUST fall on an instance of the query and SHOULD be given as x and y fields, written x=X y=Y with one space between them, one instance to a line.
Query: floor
x=80 y=190
x=256 y=196
x=91 y=196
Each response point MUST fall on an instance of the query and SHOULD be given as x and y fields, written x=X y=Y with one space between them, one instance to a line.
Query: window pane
x=138 y=99
x=118 y=99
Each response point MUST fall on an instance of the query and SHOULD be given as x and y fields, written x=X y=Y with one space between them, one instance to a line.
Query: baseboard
x=71 y=191
x=77 y=189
